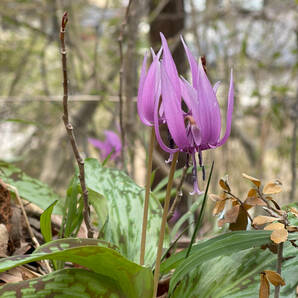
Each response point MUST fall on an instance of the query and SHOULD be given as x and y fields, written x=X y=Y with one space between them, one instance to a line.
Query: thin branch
x=120 y=44
x=69 y=130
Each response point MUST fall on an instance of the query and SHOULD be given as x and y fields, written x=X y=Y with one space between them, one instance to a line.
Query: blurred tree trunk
x=130 y=80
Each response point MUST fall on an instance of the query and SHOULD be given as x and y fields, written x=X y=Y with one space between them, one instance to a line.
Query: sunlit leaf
x=278 y=236
x=272 y=188
x=274 y=226
x=264 y=286
x=261 y=219
x=294 y=211
x=274 y=278
x=255 y=181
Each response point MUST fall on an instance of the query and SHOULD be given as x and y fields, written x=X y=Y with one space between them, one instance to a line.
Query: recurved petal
x=192 y=63
x=173 y=111
x=147 y=95
x=229 y=112
x=209 y=109
x=169 y=65
x=215 y=87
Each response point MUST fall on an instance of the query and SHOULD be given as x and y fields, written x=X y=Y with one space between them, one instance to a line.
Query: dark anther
x=204 y=63
x=171 y=141
x=187 y=160
x=203 y=173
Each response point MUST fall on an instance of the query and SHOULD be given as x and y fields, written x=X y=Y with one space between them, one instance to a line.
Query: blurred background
x=257 y=38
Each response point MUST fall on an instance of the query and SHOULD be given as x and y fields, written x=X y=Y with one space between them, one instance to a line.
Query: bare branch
x=69 y=129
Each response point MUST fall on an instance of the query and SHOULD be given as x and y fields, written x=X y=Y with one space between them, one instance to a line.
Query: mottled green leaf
x=125 y=211
x=65 y=283
x=132 y=279
x=46 y=222
x=222 y=245
x=238 y=275
x=29 y=188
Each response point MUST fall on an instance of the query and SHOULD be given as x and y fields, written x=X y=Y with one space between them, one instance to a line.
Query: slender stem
x=179 y=193
x=278 y=267
x=201 y=213
x=147 y=195
x=163 y=222
x=69 y=129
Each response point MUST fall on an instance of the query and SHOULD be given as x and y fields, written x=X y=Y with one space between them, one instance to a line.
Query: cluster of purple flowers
x=160 y=96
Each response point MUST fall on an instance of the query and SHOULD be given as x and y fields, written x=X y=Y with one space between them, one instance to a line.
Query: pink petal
x=192 y=63
x=229 y=112
x=172 y=109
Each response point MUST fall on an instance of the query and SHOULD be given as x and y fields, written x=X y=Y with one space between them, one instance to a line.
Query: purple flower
x=193 y=131
x=112 y=144
x=149 y=89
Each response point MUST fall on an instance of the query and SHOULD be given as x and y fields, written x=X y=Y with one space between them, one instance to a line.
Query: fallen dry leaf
x=219 y=207
x=264 y=286
x=230 y=216
x=272 y=188
x=241 y=222
x=255 y=181
x=274 y=278
x=224 y=184
x=215 y=197
x=279 y=236
x=254 y=201
x=274 y=226
x=292 y=229
x=294 y=211
x=260 y=220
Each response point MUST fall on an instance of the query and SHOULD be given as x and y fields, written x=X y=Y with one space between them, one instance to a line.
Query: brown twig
x=34 y=240
x=69 y=129
x=278 y=267
x=179 y=193
x=120 y=94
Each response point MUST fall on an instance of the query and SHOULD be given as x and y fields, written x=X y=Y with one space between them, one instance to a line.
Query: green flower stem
x=147 y=196
x=163 y=222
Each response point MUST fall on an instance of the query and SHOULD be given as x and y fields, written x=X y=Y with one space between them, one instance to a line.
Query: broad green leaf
x=64 y=283
x=132 y=279
x=46 y=222
x=222 y=245
x=29 y=188
x=237 y=275
x=125 y=211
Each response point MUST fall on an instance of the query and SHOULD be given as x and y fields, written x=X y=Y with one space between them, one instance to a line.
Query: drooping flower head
x=197 y=129
x=111 y=145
